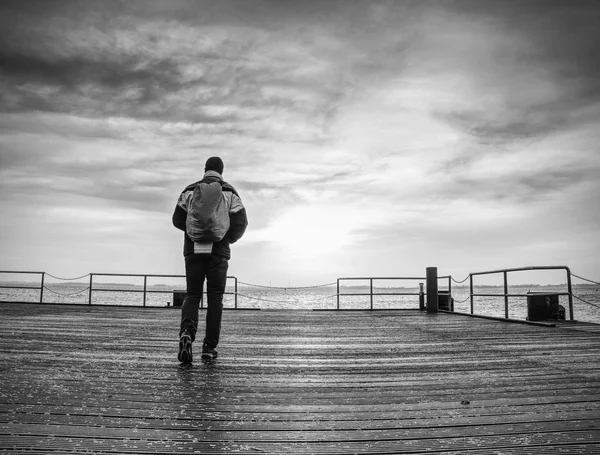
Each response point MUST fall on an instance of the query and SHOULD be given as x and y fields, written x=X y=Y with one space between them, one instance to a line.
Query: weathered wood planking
x=106 y=380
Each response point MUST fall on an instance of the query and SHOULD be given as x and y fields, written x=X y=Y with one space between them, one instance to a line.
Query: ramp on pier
x=105 y=379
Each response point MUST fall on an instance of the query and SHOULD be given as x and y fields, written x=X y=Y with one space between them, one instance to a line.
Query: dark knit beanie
x=214 y=163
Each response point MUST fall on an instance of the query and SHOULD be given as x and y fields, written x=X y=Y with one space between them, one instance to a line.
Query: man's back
x=238 y=220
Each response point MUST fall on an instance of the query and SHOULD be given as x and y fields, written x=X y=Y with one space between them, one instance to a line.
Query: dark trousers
x=214 y=269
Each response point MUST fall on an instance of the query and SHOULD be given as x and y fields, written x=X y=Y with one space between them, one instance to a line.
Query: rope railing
x=585 y=301
x=589 y=281
x=584 y=279
x=305 y=299
x=462 y=281
x=67 y=279
x=262 y=299
x=287 y=287
x=68 y=294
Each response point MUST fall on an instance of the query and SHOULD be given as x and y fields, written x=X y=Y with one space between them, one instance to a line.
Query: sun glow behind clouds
x=312 y=230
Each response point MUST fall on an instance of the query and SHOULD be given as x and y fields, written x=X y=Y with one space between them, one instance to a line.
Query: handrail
x=20 y=272
x=371 y=294
x=521 y=269
x=145 y=287
x=41 y=286
x=449 y=278
x=91 y=289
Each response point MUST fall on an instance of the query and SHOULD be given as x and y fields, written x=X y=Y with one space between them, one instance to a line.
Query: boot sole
x=185 y=351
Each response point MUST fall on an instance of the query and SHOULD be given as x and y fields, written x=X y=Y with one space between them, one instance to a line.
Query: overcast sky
x=365 y=137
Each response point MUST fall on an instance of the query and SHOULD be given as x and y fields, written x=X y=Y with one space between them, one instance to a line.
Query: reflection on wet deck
x=83 y=379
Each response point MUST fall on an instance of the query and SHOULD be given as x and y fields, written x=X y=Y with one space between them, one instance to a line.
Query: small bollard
x=421 y=297
x=432 y=290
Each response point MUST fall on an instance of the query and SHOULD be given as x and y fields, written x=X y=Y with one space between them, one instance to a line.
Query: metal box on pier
x=178 y=297
x=543 y=306
x=445 y=301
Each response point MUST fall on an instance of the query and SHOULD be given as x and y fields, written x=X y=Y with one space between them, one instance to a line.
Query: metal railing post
x=338 y=293
x=145 y=281
x=42 y=288
x=450 y=306
x=506 y=294
x=432 y=289
x=471 y=291
x=421 y=297
x=90 y=294
x=570 y=290
x=235 y=297
x=371 y=287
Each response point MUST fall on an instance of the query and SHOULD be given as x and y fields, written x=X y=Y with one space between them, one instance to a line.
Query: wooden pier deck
x=79 y=379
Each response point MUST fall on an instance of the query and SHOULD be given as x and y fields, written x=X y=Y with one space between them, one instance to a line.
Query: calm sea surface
x=324 y=297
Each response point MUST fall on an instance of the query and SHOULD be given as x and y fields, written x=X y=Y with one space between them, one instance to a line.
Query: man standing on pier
x=212 y=216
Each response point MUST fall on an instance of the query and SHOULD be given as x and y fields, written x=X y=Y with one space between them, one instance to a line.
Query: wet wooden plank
x=583 y=441
x=81 y=379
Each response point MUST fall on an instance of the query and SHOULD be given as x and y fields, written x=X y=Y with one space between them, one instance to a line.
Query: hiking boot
x=185 y=348
x=208 y=353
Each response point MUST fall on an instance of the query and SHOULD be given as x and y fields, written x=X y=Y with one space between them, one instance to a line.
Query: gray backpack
x=208 y=213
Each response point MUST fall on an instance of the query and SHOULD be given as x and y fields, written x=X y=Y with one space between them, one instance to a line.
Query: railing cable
x=68 y=294
x=584 y=279
x=585 y=301
x=286 y=301
x=459 y=281
x=462 y=301
x=67 y=279
x=287 y=287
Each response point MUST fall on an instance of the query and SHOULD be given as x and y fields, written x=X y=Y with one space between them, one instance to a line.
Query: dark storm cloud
x=556 y=49
x=131 y=58
x=69 y=72
x=97 y=86
x=525 y=122
x=521 y=186
x=106 y=64
x=121 y=184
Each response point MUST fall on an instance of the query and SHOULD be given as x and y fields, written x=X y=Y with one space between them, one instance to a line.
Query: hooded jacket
x=238 y=220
